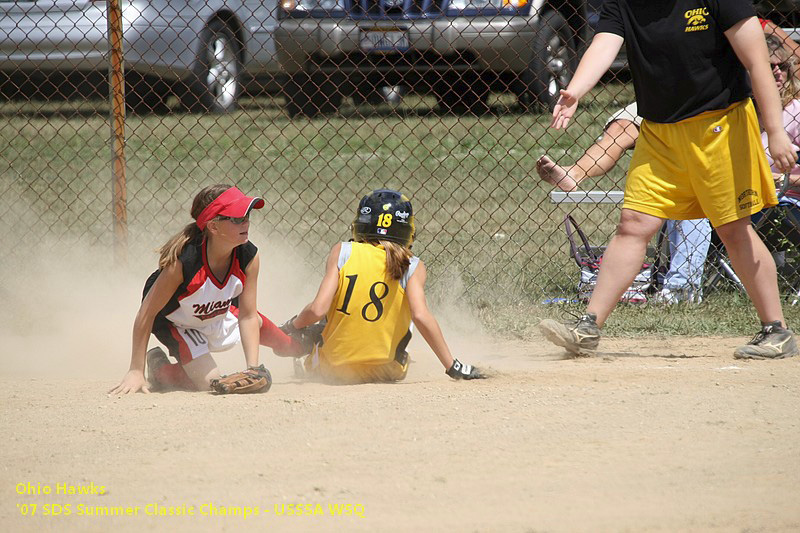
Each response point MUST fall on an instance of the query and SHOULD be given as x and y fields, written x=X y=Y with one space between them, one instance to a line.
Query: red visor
x=231 y=203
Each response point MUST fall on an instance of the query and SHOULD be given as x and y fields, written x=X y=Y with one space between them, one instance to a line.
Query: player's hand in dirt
x=133 y=381
x=459 y=370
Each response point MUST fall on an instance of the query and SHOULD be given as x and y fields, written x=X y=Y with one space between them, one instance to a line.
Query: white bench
x=587 y=197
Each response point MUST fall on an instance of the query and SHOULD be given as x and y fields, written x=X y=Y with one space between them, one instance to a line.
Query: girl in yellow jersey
x=373 y=295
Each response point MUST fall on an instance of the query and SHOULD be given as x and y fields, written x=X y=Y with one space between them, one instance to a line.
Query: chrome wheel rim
x=558 y=54
x=222 y=72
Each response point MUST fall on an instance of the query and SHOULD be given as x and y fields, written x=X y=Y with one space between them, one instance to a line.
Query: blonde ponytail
x=398 y=258
x=172 y=249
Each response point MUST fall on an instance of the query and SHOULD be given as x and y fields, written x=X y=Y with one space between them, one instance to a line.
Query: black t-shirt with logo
x=681 y=62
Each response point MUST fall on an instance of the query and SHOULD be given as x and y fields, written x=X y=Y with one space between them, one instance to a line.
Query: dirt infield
x=674 y=435
x=671 y=434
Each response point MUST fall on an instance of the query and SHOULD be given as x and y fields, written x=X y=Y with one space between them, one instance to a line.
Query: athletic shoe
x=156 y=358
x=579 y=338
x=299 y=367
x=772 y=342
x=673 y=296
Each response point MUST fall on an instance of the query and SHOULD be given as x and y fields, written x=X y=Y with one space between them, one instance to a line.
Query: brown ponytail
x=169 y=252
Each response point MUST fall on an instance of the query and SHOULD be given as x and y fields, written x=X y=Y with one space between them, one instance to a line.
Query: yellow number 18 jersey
x=369 y=321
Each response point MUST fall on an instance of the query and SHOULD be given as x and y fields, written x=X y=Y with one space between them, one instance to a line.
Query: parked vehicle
x=593 y=17
x=202 y=50
x=785 y=13
x=459 y=50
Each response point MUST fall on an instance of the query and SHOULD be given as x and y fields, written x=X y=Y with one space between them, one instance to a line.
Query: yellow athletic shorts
x=358 y=372
x=712 y=165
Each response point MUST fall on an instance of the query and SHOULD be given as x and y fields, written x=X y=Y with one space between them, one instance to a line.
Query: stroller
x=589 y=257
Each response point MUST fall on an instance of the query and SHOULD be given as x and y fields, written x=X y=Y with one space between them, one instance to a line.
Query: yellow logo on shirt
x=696 y=19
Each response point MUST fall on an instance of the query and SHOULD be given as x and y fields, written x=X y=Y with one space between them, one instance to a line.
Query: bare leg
x=556 y=175
x=598 y=160
x=755 y=267
x=622 y=260
x=201 y=371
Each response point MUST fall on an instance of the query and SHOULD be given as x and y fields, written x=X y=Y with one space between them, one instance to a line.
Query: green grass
x=486 y=228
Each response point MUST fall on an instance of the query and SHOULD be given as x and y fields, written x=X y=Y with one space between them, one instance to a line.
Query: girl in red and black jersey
x=202 y=299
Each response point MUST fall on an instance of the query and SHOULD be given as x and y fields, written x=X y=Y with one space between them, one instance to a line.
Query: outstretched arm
x=424 y=320
x=595 y=63
x=162 y=290
x=318 y=307
x=429 y=328
x=248 y=315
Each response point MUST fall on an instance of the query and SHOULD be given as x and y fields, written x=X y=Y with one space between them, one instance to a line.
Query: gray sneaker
x=299 y=367
x=155 y=359
x=772 y=342
x=579 y=338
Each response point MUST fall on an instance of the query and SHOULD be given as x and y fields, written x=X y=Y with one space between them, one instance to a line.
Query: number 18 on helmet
x=385 y=215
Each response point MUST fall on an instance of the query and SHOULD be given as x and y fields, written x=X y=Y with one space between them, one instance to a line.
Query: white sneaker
x=674 y=296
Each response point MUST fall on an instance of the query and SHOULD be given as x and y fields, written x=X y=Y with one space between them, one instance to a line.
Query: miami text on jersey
x=208 y=310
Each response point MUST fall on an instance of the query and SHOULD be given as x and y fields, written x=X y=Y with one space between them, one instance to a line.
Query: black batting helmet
x=385 y=215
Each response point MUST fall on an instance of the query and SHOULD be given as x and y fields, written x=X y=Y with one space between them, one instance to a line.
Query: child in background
x=688 y=239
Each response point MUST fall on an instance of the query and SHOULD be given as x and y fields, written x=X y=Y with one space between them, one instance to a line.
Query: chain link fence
x=313 y=103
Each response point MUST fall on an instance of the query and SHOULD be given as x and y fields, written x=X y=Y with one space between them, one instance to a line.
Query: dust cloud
x=68 y=311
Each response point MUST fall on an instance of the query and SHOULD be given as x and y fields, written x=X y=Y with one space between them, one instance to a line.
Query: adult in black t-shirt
x=698 y=71
x=699 y=151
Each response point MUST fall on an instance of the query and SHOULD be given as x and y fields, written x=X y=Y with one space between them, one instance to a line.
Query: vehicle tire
x=554 y=61
x=461 y=93
x=216 y=82
x=367 y=94
x=145 y=95
x=312 y=95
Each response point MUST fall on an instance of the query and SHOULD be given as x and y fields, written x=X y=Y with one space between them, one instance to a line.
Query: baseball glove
x=305 y=339
x=254 y=379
